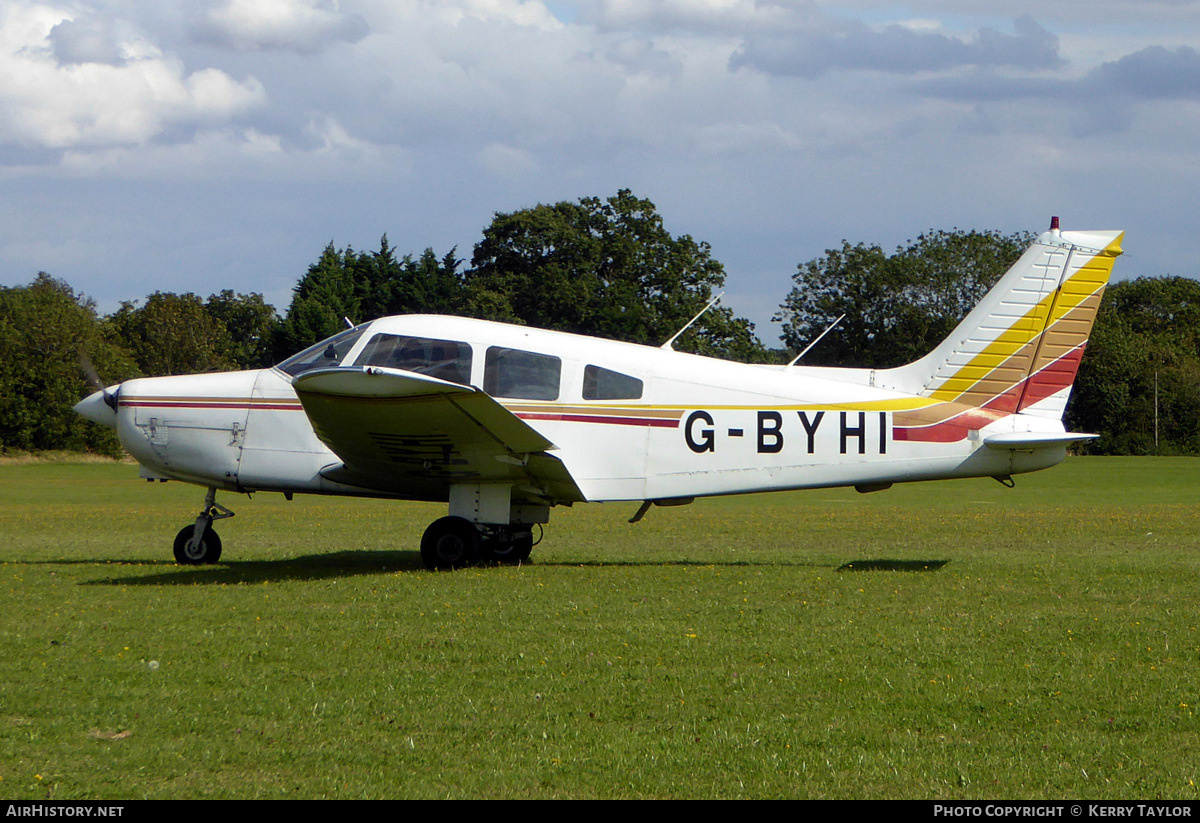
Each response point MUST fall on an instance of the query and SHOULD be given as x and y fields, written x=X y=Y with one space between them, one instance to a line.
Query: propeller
x=89 y=406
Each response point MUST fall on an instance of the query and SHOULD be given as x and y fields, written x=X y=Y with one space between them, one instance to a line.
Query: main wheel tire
x=509 y=547
x=187 y=553
x=522 y=543
x=450 y=543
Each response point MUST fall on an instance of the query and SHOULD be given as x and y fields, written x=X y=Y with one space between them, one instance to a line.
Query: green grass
x=979 y=642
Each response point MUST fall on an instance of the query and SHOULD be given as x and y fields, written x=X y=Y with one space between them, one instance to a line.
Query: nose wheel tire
x=190 y=553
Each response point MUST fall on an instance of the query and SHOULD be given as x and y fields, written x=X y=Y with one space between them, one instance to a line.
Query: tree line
x=604 y=267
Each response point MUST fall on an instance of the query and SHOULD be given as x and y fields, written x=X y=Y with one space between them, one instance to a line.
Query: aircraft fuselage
x=505 y=422
x=700 y=427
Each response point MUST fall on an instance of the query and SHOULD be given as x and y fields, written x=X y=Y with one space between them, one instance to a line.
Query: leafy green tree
x=425 y=285
x=897 y=307
x=50 y=339
x=361 y=286
x=1142 y=368
x=428 y=285
x=252 y=326
x=607 y=268
x=171 y=334
x=324 y=297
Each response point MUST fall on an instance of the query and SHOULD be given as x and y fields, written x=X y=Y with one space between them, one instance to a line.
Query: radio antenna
x=815 y=342
x=711 y=303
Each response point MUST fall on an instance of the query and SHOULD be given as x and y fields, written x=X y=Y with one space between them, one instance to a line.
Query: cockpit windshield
x=325 y=355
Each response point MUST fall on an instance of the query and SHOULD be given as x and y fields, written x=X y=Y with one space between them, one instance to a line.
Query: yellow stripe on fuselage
x=891 y=404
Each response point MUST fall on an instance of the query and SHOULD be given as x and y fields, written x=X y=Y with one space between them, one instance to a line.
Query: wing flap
x=416 y=435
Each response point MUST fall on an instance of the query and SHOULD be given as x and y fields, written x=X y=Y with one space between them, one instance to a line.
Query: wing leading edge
x=417 y=435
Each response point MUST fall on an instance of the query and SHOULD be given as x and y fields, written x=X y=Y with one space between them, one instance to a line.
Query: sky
x=200 y=145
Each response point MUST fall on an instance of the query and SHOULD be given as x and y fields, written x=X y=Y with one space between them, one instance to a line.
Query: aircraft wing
x=416 y=435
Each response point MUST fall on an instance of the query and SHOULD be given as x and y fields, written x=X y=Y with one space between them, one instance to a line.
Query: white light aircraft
x=505 y=422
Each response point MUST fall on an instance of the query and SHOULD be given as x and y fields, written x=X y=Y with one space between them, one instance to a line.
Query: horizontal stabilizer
x=1035 y=440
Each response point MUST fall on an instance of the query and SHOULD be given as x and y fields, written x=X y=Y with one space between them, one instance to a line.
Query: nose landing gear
x=199 y=543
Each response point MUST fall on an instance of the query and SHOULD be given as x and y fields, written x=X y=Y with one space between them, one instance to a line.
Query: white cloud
x=286 y=123
x=530 y=13
x=213 y=94
x=304 y=26
x=101 y=85
x=708 y=16
x=92 y=38
x=332 y=138
x=211 y=154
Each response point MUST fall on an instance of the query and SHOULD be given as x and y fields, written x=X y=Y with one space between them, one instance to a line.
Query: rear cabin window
x=605 y=384
x=521 y=374
x=447 y=360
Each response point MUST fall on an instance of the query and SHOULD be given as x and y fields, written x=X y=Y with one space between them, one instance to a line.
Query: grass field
x=945 y=640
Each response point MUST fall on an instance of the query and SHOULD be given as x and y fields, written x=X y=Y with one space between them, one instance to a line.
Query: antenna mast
x=815 y=342
x=674 y=337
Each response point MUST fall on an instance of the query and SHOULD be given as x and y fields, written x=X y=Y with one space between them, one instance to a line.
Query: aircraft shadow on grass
x=356 y=563
x=308 y=567
x=892 y=565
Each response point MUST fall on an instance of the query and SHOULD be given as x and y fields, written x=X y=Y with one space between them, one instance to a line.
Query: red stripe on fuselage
x=618 y=421
x=211 y=404
x=1051 y=378
x=947 y=431
x=940 y=433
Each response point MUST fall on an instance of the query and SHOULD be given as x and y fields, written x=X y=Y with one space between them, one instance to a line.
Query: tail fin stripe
x=1042 y=352
x=1053 y=378
x=1074 y=303
x=1019 y=347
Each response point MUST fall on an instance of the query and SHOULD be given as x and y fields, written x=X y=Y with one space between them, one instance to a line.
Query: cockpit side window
x=521 y=374
x=444 y=359
x=327 y=354
x=605 y=384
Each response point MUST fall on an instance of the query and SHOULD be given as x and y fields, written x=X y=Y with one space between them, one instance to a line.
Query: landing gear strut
x=199 y=543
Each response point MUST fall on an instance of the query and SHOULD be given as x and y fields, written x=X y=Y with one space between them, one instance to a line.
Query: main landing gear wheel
x=450 y=543
x=189 y=552
x=509 y=547
x=522 y=546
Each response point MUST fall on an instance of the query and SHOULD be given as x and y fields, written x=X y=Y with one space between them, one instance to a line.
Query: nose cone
x=100 y=407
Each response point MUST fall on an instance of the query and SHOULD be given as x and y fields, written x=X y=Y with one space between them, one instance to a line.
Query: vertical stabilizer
x=1019 y=349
